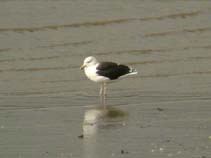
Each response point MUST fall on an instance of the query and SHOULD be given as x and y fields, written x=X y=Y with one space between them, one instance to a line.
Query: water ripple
x=76 y=25
x=172 y=16
x=166 y=33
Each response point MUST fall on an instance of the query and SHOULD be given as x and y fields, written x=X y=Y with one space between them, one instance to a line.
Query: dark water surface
x=45 y=99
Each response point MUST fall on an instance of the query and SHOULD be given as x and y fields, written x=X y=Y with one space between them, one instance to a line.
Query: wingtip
x=134 y=71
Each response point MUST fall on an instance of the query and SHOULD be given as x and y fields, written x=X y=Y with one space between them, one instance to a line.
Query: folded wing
x=112 y=70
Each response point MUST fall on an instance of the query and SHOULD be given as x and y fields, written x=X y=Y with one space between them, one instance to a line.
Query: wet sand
x=45 y=100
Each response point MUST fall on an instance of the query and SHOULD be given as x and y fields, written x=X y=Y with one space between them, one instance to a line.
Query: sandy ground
x=49 y=109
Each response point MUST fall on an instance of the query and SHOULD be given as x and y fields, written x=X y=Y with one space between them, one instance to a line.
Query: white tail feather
x=133 y=71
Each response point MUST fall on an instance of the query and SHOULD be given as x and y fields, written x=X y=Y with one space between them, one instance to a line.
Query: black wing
x=106 y=66
x=112 y=70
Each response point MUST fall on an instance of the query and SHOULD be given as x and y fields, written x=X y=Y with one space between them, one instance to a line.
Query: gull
x=104 y=72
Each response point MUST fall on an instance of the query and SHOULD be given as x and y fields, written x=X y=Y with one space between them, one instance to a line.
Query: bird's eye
x=89 y=61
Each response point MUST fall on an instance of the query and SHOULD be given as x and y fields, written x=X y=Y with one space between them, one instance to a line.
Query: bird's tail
x=133 y=71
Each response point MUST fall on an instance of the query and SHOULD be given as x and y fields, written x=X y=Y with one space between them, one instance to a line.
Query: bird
x=105 y=72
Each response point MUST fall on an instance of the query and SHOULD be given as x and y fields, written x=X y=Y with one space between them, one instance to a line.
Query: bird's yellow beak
x=82 y=67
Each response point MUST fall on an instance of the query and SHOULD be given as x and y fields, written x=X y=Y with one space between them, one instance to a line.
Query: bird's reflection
x=94 y=119
x=96 y=116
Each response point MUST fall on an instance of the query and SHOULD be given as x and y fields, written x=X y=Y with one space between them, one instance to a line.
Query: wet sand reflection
x=94 y=119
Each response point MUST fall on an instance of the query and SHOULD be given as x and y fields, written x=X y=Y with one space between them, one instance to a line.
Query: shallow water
x=44 y=97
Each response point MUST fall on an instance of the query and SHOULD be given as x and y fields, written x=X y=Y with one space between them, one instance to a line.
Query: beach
x=45 y=99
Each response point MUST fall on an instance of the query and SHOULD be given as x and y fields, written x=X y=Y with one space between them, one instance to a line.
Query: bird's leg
x=101 y=92
x=104 y=94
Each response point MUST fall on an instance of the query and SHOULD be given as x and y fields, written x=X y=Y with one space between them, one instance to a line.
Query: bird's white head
x=89 y=61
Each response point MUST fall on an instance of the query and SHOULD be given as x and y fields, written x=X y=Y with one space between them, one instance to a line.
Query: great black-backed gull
x=104 y=72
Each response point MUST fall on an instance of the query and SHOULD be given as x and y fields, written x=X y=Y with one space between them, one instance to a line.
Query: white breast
x=90 y=72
